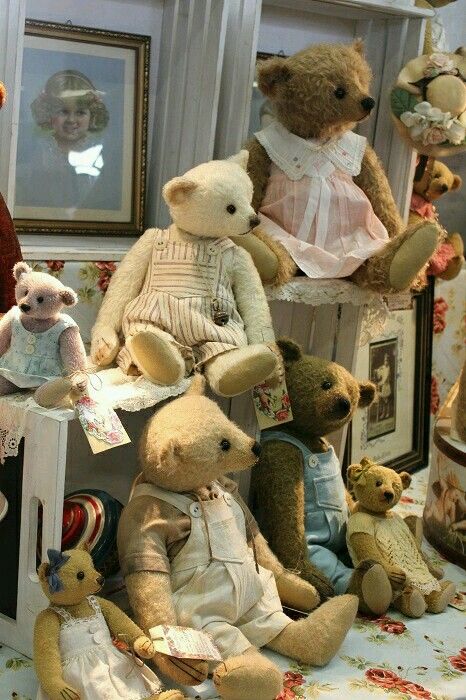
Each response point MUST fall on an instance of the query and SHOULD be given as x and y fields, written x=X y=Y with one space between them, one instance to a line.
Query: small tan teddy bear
x=75 y=656
x=39 y=345
x=376 y=532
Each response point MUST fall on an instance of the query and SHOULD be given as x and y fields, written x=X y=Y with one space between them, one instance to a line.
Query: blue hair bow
x=56 y=559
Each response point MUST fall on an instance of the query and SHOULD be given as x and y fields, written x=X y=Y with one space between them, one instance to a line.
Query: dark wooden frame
x=141 y=45
x=418 y=456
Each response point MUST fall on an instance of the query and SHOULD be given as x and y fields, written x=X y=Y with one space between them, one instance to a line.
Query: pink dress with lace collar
x=312 y=205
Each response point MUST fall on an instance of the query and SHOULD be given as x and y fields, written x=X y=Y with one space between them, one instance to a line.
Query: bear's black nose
x=388 y=495
x=343 y=406
x=25 y=307
x=254 y=221
x=256 y=448
x=368 y=103
x=100 y=580
x=444 y=188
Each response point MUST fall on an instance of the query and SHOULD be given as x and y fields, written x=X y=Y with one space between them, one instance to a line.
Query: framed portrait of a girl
x=82 y=131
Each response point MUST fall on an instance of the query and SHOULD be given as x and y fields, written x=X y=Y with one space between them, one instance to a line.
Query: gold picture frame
x=82 y=135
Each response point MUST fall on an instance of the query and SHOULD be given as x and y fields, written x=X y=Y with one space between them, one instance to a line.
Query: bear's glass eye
x=339 y=93
x=326 y=385
x=231 y=208
x=40 y=300
x=378 y=482
x=80 y=575
x=225 y=445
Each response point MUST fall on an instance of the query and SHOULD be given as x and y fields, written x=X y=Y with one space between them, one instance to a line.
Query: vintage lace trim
x=13 y=416
x=318 y=292
x=118 y=390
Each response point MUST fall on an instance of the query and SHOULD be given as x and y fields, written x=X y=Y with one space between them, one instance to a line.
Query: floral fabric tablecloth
x=392 y=656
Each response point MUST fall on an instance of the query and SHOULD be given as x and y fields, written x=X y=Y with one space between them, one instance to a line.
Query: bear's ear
x=355 y=474
x=20 y=269
x=457 y=182
x=240 y=158
x=358 y=46
x=271 y=73
x=366 y=394
x=68 y=296
x=171 y=449
x=197 y=387
x=405 y=479
x=177 y=190
x=290 y=351
x=84 y=546
x=43 y=571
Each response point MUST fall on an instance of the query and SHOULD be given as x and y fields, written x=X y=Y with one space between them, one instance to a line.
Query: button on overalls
x=325 y=510
x=215 y=584
x=177 y=298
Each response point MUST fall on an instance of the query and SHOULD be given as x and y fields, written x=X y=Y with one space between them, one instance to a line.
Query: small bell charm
x=220 y=318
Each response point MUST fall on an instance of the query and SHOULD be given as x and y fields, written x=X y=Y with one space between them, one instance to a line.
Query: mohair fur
x=278 y=491
x=198 y=203
x=180 y=451
x=377 y=490
x=47 y=658
x=436 y=180
x=41 y=316
x=301 y=90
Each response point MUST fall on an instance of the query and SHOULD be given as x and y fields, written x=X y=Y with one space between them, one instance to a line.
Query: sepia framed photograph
x=81 y=155
x=394 y=431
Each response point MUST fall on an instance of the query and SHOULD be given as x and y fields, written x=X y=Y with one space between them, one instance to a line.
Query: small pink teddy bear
x=40 y=346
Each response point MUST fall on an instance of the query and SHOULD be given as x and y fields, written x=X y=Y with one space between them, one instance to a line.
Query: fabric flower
x=414 y=689
x=433 y=136
x=456 y=132
x=458 y=662
x=440 y=310
x=438 y=63
x=382 y=677
x=286 y=694
x=434 y=396
x=55 y=265
x=291 y=679
x=387 y=624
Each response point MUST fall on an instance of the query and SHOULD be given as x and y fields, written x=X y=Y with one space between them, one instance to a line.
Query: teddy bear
x=187 y=297
x=192 y=554
x=297 y=490
x=318 y=187
x=432 y=180
x=76 y=638
x=375 y=531
x=39 y=345
x=428 y=103
x=10 y=252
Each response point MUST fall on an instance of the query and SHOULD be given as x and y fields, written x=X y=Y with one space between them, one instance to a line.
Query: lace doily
x=13 y=416
x=118 y=390
x=318 y=292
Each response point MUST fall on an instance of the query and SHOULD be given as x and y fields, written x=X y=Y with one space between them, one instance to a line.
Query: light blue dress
x=326 y=510
x=33 y=358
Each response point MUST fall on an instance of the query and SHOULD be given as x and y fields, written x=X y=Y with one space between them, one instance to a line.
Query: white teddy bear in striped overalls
x=187 y=297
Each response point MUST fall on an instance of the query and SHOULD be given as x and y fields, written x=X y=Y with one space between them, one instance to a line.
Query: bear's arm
x=47 y=658
x=278 y=488
x=126 y=283
x=373 y=181
x=258 y=170
x=72 y=350
x=119 y=624
x=250 y=299
x=5 y=334
x=416 y=528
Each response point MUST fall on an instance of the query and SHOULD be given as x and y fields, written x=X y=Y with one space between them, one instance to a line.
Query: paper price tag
x=101 y=425
x=184 y=643
x=272 y=404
